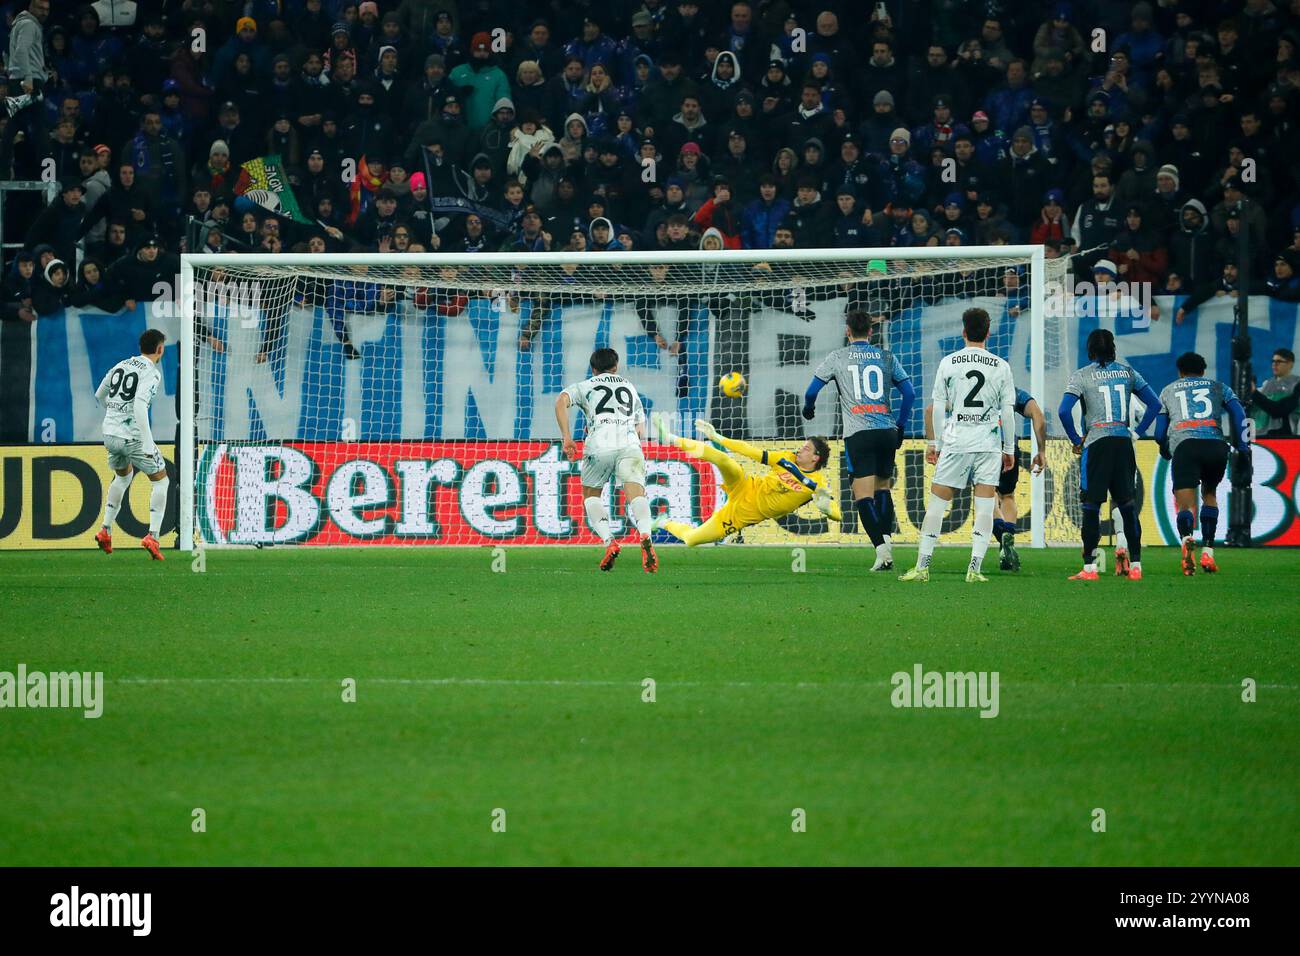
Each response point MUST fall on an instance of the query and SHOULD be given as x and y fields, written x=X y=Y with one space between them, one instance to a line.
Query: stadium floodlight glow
x=407 y=398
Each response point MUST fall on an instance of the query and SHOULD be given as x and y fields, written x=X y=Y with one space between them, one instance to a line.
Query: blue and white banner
x=430 y=376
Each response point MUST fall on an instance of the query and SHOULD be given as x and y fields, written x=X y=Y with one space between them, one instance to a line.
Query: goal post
x=378 y=398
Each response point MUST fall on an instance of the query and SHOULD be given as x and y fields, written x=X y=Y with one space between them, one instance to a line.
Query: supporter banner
x=431 y=376
x=264 y=182
x=52 y=496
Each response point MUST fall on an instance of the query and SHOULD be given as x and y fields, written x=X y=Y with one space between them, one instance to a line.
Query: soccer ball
x=733 y=384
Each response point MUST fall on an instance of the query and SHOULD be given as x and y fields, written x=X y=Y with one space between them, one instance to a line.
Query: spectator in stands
x=92 y=289
x=1138 y=251
x=1052 y=222
x=60 y=224
x=762 y=216
x=485 y=82
x=51 y=291
x=16 y=290
x=1275 y=405
x=26 y=65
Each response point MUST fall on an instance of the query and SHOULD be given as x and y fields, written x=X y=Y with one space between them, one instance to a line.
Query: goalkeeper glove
x=705 y=428
x=809 y=412
x=822 y=499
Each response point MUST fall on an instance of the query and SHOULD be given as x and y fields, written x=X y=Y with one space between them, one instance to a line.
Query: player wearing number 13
x=1104 y=391
x=1189 y=428
x=127 y=392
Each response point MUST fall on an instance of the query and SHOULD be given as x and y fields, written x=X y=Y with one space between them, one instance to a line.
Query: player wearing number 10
x=126 y=393
x=1190 y=431
x=862 y=373
x=1104 y=391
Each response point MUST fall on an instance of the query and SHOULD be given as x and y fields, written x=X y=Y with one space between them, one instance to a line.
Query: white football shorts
x=965 y=468
x=127 y=451
x=624 y=462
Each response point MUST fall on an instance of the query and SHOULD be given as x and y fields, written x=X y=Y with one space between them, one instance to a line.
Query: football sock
x=867 y=513
x=158 y=504
x=1185 y=523
x=1209 y=524
x=1117 y=522
x=638 y=510
x=930 y=527
x=1132 y=531
x=1091 y=531
x=117 y=489
x=597 y=517
x=998 y=526
x=980 y=534
x=885 y=512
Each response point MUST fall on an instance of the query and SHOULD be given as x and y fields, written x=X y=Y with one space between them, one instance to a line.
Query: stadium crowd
x=1149 y=133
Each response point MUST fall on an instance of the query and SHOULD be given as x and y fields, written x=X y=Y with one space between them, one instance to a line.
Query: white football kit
x=612 y=448
x=974 y=406
x=127 y=391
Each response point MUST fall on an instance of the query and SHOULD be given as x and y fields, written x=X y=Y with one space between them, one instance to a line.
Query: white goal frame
x=1034 y=254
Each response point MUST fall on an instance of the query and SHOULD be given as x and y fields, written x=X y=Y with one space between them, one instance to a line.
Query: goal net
x=409 y=399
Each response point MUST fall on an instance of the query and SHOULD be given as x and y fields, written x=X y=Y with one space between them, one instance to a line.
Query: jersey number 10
x=872 y=385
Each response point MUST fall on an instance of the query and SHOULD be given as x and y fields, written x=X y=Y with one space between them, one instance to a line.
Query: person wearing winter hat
x=1052 y=222
x=486 y=82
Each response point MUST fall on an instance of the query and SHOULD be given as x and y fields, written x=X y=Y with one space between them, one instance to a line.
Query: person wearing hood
x=1023 y=178
x=52 y=291
x=601 y=236
x=920 y=231
x=368 y=132
x=643 y=72
x=719 y=93
x=1138 y=252
x=92 y=289
x=814 y=163
x=566 y=210
x=1139 y=181
x=494 y=141
x=574 y=141
x=536 y=160
x=738 y=165
x=1191 y=247
x=486 y=83
x=719 y=214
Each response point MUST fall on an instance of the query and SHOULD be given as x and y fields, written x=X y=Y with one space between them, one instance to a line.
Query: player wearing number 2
x=974 y=440
x=1189 y=428
x=615 y=422
x=1104 y=390
x=127 y=392
x=863 y=374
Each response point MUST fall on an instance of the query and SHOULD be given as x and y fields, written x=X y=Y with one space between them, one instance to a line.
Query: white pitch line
x=525 y=682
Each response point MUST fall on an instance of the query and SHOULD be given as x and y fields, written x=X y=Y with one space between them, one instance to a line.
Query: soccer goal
x=409 y=399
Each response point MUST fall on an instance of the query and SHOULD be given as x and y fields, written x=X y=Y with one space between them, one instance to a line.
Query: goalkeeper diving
x=793 y=479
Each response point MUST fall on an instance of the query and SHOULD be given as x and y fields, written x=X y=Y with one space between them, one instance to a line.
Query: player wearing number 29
x=1104 y=390
x=1189 y=428
x=615 y=430
x=863 y=373
x=974 y=440
x=127 y=392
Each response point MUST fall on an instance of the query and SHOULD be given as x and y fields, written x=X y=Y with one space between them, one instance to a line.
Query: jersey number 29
x=622 y=393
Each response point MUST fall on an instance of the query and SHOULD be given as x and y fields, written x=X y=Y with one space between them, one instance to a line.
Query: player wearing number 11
x=1104 y=391
x=127 y=392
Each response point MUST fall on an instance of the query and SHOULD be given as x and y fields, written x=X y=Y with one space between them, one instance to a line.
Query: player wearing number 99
x=1104 y=391
x=1190 y=431
x=975 y=440
x=615 y=430
x=862 y=373
x=126 y=393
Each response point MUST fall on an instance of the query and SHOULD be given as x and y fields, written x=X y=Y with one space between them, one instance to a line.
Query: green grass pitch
x=523 y=691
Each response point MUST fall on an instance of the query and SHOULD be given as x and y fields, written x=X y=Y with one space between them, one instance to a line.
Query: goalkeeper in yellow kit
x=793 y=479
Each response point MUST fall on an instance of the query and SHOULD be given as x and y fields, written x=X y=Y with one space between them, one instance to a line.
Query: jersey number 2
x=125 y=382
